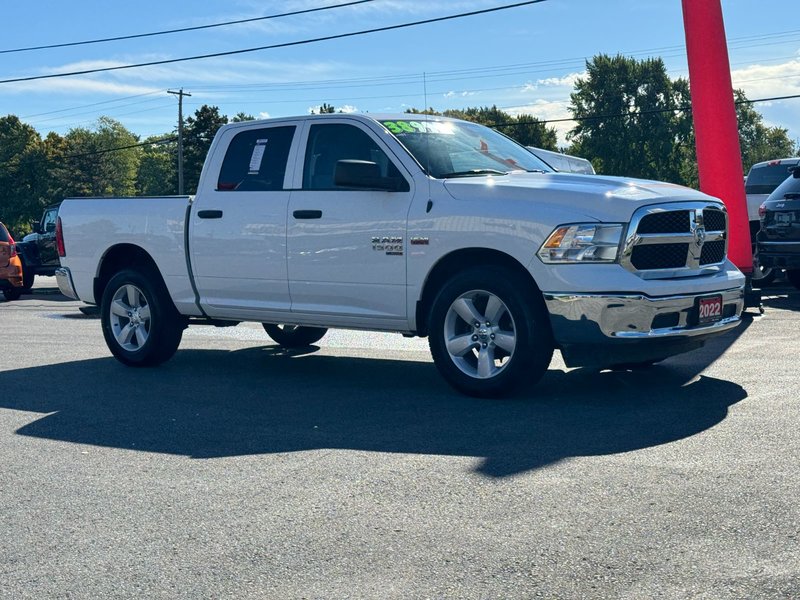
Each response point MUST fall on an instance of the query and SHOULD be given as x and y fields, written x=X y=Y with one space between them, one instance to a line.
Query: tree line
x=631 y=118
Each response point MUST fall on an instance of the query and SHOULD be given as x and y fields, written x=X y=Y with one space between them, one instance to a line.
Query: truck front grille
x=678 y=239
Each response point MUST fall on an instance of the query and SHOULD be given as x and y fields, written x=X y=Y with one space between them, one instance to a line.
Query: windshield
x=460 y=149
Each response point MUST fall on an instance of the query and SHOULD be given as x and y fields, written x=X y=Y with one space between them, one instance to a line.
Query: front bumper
x=65 y=285
x=607 y=329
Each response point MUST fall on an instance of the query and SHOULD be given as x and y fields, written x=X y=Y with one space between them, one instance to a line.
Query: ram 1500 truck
x=405 y=223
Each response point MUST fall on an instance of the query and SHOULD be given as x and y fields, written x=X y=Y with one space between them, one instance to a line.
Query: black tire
x=27 y=279
x=153 y=326
x=793 y=275
x=475 y=346
x=12 y=294
x=294 y=336
x=762 y=275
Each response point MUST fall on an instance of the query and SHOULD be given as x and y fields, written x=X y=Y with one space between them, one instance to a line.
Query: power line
x=52 y=112
x=685 y=108
x=184 y=29
x=282 y=45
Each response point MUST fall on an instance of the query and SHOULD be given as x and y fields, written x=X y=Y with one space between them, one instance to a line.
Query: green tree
x=627 y=122
x=158 y=173
x=24 y=179
x=100 y=162
x=759 y=142
x=242 y=116
x=197 y=137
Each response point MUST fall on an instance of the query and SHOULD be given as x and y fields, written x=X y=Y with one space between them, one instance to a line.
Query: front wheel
x=486 y=335
x=140 y=324
x=793 y=275
x=294 y=336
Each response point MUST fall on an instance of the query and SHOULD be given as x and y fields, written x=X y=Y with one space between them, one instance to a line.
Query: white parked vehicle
x=564 y=163
x=420 y=225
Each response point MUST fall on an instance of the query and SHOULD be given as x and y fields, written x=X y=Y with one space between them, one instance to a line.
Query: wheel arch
x=123 y=256
x=451 y=263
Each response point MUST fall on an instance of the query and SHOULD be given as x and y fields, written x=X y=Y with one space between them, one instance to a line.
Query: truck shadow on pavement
x=210 y=403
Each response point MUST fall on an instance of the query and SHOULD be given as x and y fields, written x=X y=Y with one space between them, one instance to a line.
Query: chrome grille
x=677 y=239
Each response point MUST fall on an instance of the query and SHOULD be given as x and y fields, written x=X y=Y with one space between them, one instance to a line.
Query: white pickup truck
x=419 y=225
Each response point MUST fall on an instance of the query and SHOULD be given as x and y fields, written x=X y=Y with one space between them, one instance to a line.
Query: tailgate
x=782 y=221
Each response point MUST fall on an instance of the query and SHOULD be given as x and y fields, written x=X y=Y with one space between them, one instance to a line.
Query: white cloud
x=567 y=81
x=263 y=115
x=764 y=81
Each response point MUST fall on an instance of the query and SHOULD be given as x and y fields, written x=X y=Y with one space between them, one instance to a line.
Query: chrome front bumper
x=65 y=285
x=603 y=329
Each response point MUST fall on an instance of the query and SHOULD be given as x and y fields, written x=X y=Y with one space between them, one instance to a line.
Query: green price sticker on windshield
x=401 y=127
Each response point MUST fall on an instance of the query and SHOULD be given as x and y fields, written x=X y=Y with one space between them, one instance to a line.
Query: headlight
x=582 y=243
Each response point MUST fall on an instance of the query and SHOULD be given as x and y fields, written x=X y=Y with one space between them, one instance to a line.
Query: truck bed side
x=96 y=229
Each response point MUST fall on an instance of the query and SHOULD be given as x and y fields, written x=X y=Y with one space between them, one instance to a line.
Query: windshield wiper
x=472 y=173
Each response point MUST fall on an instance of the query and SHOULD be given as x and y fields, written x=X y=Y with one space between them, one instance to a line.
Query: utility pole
x=180 y=94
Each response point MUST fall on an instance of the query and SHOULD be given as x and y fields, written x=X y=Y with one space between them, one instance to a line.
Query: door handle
x=307 y=214
x=209 y=214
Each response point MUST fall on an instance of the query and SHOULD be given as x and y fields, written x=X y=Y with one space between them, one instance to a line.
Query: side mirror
x=796 y=172
x=34 y=225
x=365 y=174
x=50 y=228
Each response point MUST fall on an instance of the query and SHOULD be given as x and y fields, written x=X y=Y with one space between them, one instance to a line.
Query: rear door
x=238 y=223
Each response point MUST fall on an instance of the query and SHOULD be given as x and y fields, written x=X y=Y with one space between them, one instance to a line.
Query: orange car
x=10 y=266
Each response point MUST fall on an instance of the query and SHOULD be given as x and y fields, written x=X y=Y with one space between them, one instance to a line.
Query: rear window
x=764 y=179
x=4 y=236
x=256 y=160
x=789 y=186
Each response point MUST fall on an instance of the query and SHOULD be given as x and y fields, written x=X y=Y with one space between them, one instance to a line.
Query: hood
x=595 y=197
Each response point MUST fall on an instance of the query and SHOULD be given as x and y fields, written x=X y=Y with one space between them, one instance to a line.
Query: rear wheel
x=762 y=275
x=487 y=336
x=294 y=336
x=12 y=293
x=793 y=275
x=27 y=279
x=140 y=324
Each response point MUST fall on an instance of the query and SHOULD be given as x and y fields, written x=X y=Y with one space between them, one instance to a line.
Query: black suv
x=38 y=249
x=779 y=237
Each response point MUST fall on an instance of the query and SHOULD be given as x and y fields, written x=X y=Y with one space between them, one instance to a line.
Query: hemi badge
x=419 y=241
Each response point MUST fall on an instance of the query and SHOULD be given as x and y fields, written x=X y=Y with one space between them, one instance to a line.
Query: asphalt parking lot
x=351 y=470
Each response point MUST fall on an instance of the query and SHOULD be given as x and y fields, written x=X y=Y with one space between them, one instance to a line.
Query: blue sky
x=523 y=60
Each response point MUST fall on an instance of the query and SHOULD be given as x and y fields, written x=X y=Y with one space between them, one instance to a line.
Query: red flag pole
x=719 y=158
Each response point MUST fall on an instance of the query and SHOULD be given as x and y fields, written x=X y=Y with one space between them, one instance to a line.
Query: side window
x=329 y=143
x=49 y=220
x=256 y=160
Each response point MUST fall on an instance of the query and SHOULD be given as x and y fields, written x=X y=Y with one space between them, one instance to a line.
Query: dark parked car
x=38 y=249
x=779 y=237
x=760 y=182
